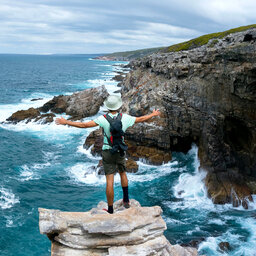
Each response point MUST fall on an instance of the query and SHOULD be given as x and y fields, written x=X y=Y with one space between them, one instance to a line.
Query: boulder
x=57 y=105
x=45 y=118
x=98 y=233
x=78 y=105
x=22 y=115
x=94 y=140
x=36 y=99
x=86 y=103
x=119 y=77
x=224 y=246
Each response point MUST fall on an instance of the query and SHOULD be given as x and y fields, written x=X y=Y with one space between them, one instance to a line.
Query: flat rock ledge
x=134 y=231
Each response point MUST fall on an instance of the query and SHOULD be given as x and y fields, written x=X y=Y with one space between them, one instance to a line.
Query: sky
x=106 y=26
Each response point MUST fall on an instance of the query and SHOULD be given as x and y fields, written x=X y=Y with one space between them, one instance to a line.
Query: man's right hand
x=61 y=121
x=156 y=112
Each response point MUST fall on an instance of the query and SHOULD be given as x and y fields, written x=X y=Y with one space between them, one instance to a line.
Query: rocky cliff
x=207 y=96
x=134 y=231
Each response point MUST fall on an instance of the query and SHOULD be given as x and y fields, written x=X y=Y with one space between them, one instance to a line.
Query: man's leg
x=110 y=191
x=124 y=180
x=124 y=183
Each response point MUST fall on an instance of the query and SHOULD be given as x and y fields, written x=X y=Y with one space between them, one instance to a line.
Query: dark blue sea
x=45 y=165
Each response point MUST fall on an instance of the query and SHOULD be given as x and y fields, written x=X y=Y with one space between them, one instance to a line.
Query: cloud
x=78 y=26
x=227 y=13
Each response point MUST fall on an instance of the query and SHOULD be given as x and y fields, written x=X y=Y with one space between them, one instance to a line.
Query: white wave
x=247 y=247
x=9 y=221
x=33 y=171
x=110 y=85
x=109 y=74
x=217 y=222
x=87 y=152
x=173 y=221
x=211 y=245
x=84 y=173
x=148 y=172
x=7 y=198
x=191 y=188
x=49 y=131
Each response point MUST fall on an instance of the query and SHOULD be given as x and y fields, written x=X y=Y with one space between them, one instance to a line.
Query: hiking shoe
x=126 y=204
x=106 y=210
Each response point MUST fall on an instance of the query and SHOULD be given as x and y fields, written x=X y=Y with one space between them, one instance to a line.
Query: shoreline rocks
x=98 y=233
x=78 y=105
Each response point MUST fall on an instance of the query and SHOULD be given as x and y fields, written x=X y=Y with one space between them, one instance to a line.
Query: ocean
x=45 y=165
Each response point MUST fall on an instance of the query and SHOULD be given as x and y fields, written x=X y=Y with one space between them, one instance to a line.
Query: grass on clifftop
x=202 y=40
x=134 y=54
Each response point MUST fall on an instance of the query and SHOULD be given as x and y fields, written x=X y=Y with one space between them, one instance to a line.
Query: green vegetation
x=133 y=54
x=199 y=41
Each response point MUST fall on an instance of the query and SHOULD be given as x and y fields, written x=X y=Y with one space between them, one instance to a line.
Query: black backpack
x=116 y=140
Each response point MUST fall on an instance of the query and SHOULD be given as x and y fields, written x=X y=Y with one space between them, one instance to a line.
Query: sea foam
x=7 y=198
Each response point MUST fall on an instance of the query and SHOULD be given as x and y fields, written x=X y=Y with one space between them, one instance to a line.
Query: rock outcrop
x=134 y=231
x=207 y=96
x=78 y=105
x=136 y=150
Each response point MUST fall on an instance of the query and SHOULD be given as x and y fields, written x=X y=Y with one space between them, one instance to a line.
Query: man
x=112 y=162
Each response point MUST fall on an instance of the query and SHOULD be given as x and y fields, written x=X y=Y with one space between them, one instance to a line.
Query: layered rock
x=78 y=105
x=98 y=233
x=207 y=96
x=136 y=150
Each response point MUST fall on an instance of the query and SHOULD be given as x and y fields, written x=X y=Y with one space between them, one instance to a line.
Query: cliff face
x=208 y=96
x=134 y=231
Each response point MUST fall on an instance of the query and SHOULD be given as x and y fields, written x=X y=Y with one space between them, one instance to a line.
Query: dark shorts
x=113 y=162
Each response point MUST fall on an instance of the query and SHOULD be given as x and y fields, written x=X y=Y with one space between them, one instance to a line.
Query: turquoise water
x=46 y=166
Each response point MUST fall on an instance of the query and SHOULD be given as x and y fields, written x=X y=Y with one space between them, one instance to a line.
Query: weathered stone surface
x=131 y=165
x=228 y=187
x=153 y=155
x=57 y=105
x=94 y=140
x=224 y=246
x=86 y=103
x=119 y=77
x=207 y=96
x=45 y=118
x=36 y=99
x=22 y=115
x=98 y=233
x=78 y=105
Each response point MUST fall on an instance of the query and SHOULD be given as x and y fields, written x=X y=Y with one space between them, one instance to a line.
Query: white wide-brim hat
x=113 y=102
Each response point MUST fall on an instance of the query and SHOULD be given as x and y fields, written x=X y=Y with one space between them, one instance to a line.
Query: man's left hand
x=61 y=121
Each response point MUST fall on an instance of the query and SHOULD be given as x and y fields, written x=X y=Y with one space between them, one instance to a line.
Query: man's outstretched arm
x=147 y=117
x=75 y=124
